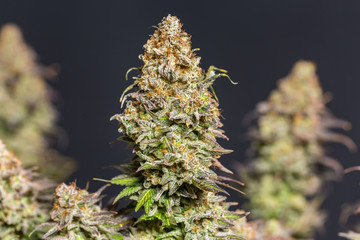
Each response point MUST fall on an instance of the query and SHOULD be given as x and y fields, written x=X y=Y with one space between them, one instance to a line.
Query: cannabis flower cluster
x=24 y=198
x=27 y=117
x=76 y=216
x=284 y=180
x=172 y=121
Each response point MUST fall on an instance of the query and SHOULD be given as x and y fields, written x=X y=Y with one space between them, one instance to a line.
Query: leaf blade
x=144 y=197
x=127 y=191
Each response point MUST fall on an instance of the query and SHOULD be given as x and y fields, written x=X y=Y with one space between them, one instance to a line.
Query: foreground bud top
x=27 y=117
x=76 y=215
x=172 y=122
x=288 y=167
x=24 y=198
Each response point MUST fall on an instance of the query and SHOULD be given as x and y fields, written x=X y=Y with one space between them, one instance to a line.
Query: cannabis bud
x=288 y=168
x=27 y=117
x=172 y=121
x=24 y=198
x=76 y=216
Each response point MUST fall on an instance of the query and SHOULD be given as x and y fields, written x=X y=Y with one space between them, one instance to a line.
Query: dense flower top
x=76 y=215
x=172 y=122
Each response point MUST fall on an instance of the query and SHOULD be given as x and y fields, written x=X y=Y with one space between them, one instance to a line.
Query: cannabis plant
x=172 y=121
x=76 y=216
x=27 y=117
x=288 y=170
x=24 y=198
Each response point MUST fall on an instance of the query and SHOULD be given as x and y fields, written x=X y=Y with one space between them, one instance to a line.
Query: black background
x=95 y=42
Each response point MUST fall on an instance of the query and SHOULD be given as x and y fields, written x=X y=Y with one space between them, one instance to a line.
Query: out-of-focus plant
x=27 y=117
x=77 y=216
x=24 y=198
x=289 y=165
x=172 y=121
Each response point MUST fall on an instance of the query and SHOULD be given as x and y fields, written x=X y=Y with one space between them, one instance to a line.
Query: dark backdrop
x=95 y=42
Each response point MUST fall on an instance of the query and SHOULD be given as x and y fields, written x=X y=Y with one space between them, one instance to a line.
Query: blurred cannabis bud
x=288 y=168
x=24 y=198
x=172 y=121
x=27 y=117
x=76 y=216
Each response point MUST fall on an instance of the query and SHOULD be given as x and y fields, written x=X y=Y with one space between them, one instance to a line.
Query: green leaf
x=175 y=234
x=165 y=220
x=100 y=179
x=147 y=166
x=117 y=237
x=233 y=215
x=148 y=203
x=145 y=217
x=125 y=181
x=168 y=144
x=128 y=191
x=144 y=157
x=144 y=197
x=223 y=223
